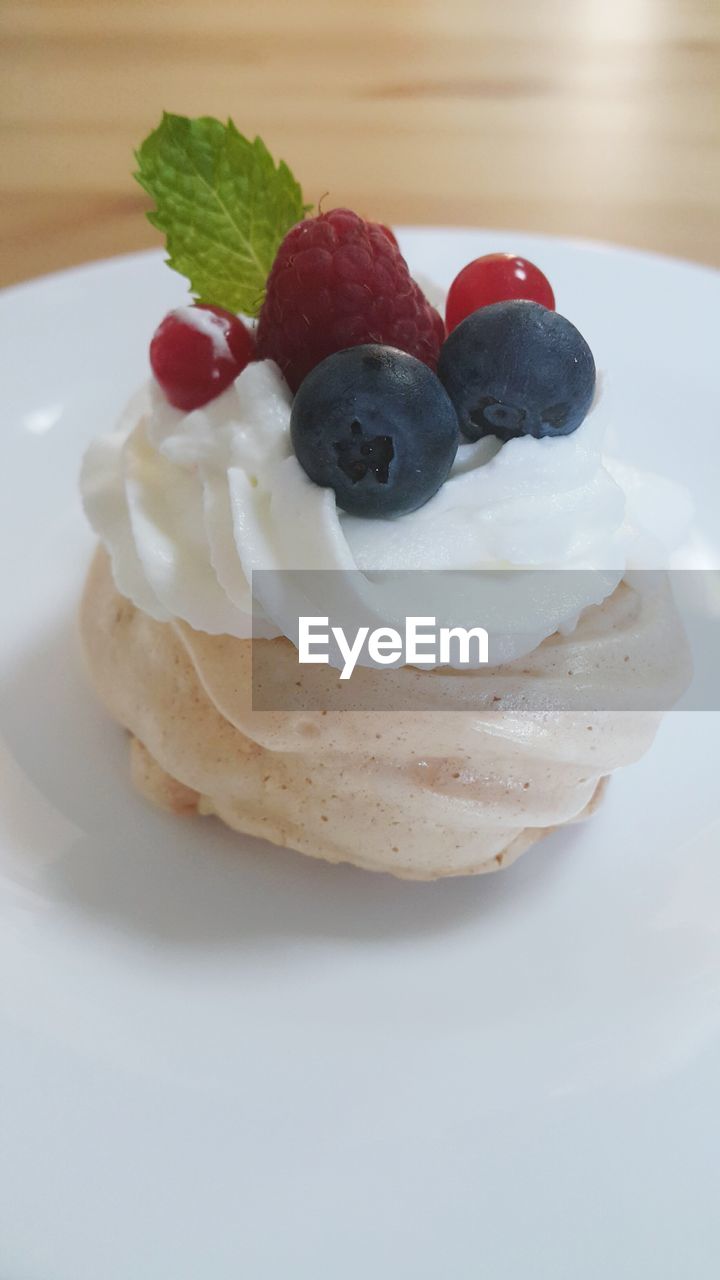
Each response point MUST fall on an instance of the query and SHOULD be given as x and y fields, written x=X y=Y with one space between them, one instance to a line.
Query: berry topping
x=388 y=231
x=496 y=277
x=197 y=351
x=338 y=282
x=375 y=425
x=516 y=369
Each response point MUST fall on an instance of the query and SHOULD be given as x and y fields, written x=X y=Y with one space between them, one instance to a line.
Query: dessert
x=349 y=431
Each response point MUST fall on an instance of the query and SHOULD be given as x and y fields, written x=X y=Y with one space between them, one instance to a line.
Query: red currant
x=496 y=277
x=197 y=351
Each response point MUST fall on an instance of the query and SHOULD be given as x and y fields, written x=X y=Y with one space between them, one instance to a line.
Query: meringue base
x=420 y=795
x=165 y=792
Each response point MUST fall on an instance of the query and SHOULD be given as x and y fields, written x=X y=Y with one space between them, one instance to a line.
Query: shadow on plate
x=192 y=881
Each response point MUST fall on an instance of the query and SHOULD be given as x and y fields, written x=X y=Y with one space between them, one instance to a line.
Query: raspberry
x=388 y=231
x=338 y=282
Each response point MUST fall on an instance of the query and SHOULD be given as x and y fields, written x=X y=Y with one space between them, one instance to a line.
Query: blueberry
x=377 y=426
x=515 y=369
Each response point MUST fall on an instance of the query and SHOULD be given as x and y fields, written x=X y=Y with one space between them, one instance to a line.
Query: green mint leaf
x=223 y=205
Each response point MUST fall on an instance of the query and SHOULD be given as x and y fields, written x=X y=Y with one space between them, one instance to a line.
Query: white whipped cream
x=189 y=505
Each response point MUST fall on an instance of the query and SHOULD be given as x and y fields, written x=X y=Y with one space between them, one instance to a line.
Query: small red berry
x=197 y=351
x=496 y=277
x=338 y=281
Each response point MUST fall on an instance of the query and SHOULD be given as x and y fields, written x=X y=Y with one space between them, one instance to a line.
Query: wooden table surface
x=596 y=118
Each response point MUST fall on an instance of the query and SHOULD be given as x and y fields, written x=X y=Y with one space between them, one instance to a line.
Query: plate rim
x=581 y=243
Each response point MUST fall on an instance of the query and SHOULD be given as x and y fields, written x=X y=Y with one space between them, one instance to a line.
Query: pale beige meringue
x=460 y=789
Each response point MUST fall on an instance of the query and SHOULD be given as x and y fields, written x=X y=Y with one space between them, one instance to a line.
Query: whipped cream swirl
x=190 y=505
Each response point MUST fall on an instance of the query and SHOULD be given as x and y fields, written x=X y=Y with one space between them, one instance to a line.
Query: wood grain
x=595 y=118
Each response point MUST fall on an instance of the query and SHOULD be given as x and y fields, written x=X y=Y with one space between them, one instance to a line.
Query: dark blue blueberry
x=378 y=427
x=516 y=369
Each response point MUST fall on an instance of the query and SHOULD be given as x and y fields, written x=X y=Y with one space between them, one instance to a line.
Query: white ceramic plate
x=220 y=1060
